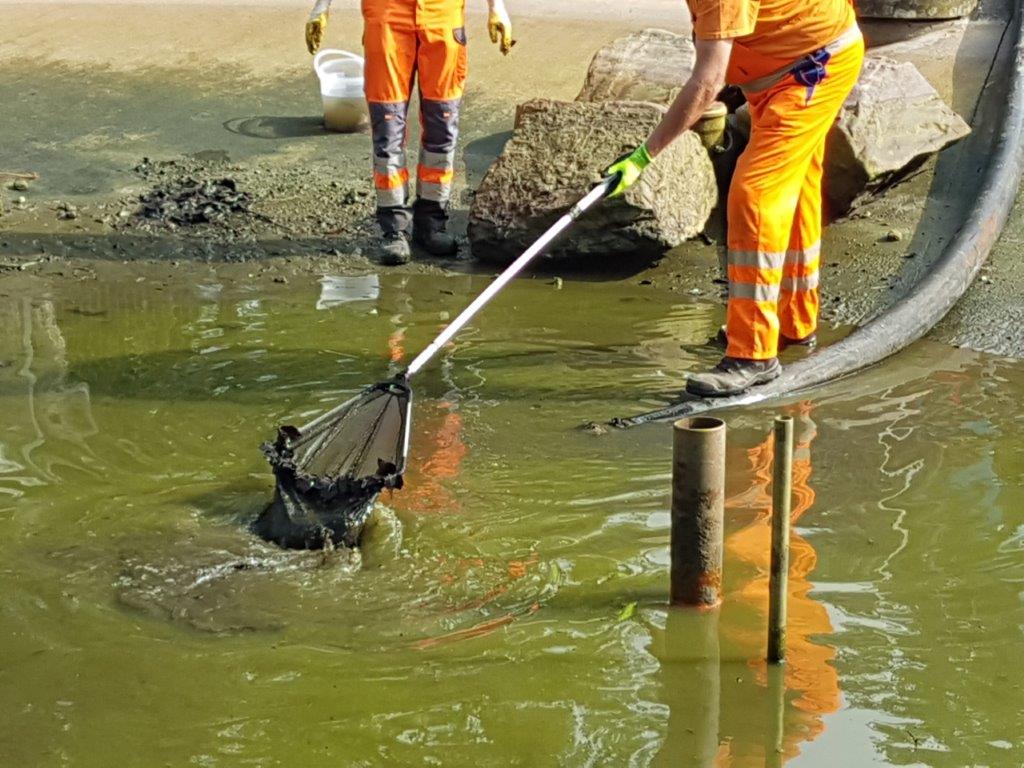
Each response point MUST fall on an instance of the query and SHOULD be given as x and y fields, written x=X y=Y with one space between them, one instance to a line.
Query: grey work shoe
x=394 y=249
x=721 y=339
x=435 y=241
x=733 y=376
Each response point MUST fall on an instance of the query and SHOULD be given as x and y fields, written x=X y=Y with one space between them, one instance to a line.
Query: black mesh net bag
x=330 y=472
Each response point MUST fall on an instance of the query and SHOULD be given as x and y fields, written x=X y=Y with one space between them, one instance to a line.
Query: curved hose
x=917 y=313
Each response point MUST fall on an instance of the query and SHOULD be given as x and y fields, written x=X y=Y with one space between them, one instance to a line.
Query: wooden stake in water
x=782 y=494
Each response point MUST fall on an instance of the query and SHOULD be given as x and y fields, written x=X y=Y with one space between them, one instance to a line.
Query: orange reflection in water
x=435 y=460
x=809 y=671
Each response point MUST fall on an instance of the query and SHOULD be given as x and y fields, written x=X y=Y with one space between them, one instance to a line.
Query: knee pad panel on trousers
x=390 y=174
x=440 y=124
x=389 y=124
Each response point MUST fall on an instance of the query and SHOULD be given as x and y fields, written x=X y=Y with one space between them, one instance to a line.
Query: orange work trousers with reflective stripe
x=775 y=209
x=409 y=41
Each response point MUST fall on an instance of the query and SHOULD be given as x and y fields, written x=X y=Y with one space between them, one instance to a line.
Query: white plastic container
x=342 y=89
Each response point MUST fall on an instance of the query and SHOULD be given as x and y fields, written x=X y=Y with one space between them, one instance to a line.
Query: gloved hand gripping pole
x=329 y=472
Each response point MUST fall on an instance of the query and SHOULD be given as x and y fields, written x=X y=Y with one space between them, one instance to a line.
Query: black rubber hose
x=923 y=307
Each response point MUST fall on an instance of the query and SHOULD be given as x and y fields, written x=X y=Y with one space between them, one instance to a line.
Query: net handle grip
x=599 y=192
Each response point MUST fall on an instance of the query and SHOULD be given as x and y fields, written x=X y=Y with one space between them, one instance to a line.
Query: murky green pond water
x=488 y=619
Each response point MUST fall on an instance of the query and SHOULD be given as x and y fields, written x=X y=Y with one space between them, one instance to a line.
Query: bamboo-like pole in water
x=782 y=495
x=698 y=511
x=775 y=734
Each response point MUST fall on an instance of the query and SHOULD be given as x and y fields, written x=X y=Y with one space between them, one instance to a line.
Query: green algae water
x=509 y=606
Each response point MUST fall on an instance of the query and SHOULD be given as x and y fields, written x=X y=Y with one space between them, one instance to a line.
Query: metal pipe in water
x=698 y=512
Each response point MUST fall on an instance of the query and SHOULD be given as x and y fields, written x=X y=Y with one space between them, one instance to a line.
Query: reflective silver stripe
x=794 y=284
x=390 y=198
x=803 y=256
x=754 y=291
x=443 y=161
x=390 y=164
x=841 y=43
x=439 y=193
x=759 y=259
x=436 y=161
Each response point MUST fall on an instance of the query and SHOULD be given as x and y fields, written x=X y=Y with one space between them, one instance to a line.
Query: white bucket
x=342 y=89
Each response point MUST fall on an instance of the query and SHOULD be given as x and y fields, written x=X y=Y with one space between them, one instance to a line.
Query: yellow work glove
x=627 y=169
x=499 y=26
x=317 y=25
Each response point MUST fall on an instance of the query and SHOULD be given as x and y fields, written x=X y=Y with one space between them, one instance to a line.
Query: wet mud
x=309 y=205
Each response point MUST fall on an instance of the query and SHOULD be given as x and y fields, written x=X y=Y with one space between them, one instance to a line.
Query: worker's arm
x=317 y=25
x=704 y=85
x=698 y=92
x=499 y=25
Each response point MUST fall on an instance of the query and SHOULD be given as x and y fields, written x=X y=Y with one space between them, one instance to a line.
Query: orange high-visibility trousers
x=774 y=208
x=407 y=41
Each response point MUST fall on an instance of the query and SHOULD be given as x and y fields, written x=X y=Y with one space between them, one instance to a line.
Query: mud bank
x=208 y=100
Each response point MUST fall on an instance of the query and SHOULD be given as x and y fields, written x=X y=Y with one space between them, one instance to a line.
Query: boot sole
x=696 y=388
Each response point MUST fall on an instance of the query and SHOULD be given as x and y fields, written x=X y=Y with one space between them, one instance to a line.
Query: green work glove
x=628 y=169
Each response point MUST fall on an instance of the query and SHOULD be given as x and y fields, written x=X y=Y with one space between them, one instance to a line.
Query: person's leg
x=789 y=125
x=442 y=66
x=798 y=297
x=390 y=46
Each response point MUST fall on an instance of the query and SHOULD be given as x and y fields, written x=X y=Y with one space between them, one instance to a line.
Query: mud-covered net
x=330 y=471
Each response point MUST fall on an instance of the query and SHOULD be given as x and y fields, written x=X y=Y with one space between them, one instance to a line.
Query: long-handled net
x=330 y=471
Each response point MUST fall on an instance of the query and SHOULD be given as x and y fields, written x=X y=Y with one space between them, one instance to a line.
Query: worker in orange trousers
x=409 y=41
x=796 y=61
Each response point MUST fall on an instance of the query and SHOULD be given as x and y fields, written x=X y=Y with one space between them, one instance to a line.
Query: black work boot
x=733 y=376
x=436 y=242
x=430 y=228
x=393 y=249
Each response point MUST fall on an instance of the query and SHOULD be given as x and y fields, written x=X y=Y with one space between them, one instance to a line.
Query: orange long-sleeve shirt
x=770 y=34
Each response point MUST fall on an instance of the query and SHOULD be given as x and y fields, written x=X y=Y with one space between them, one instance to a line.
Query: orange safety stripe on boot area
x=435 y=175
x=392 y=180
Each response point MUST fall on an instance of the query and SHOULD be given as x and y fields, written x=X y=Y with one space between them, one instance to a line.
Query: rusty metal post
x=698 y=511
x=782 y=495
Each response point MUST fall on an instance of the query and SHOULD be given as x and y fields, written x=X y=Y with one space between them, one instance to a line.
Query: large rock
x=928 y=10
x=650 y=65
x=891 y=122
x=554 y=157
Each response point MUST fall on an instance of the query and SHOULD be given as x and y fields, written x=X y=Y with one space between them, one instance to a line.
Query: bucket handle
x=334 y=53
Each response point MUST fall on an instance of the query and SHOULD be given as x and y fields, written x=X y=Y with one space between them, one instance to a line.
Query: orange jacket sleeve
x=723 y=19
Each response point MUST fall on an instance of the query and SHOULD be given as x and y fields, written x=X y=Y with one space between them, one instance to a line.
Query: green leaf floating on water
x=628 y=612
